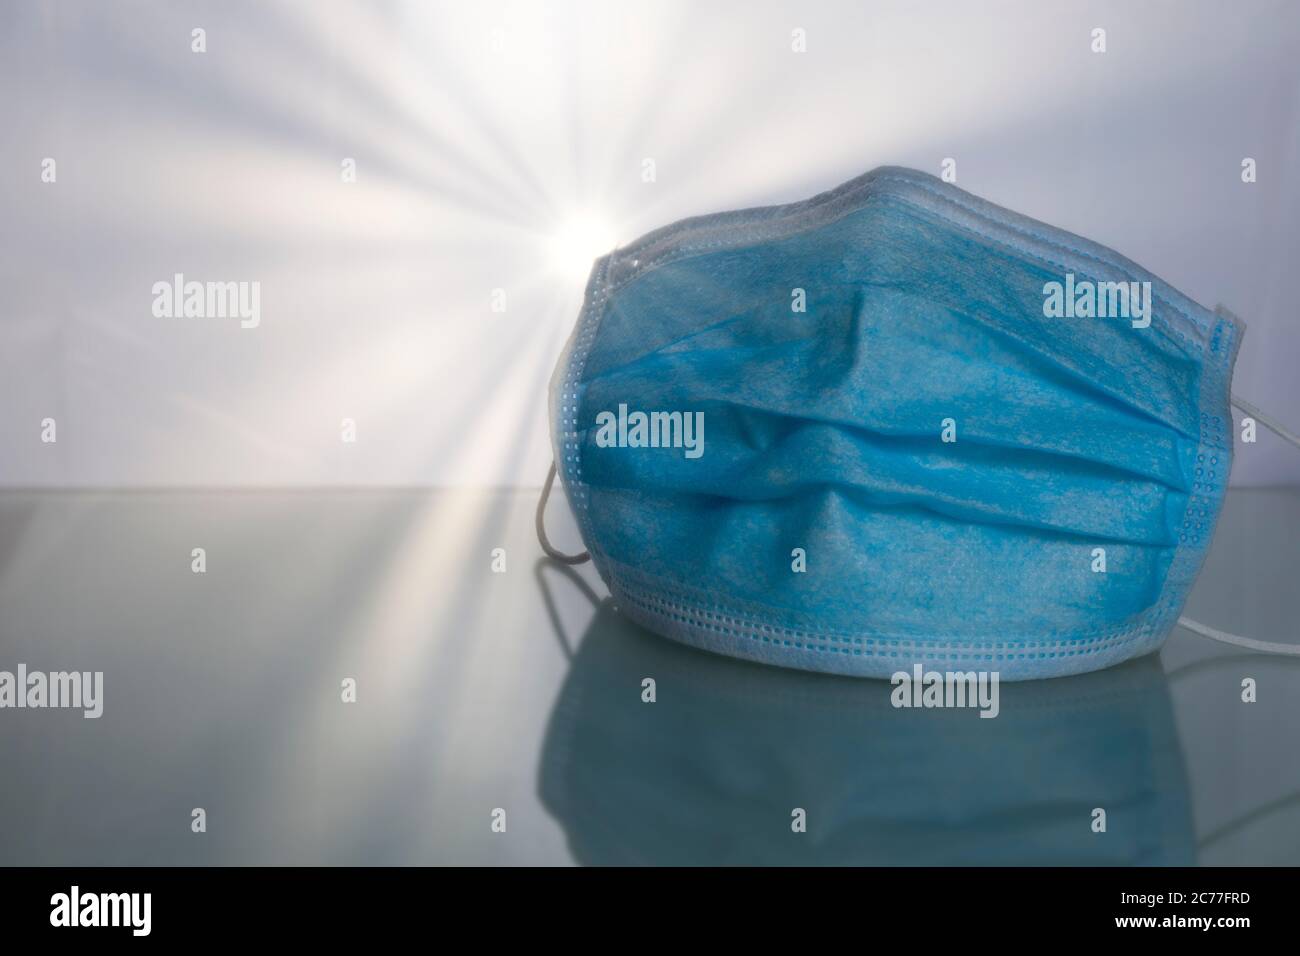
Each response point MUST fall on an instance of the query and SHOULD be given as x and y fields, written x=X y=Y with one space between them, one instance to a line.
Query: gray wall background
x=498 y=143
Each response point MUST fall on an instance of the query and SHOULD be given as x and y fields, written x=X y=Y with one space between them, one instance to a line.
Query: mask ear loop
x=1223 y=637
x=1214 y=634
x=541 y=526
x=1267 y=420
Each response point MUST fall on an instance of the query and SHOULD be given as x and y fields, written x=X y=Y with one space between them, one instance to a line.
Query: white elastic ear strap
x=541 y=526
x=1214 y=634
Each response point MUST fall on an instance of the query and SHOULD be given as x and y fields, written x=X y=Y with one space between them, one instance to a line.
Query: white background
x=499 y=145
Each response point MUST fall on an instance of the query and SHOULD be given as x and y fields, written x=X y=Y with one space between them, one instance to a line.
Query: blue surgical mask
x=894 y=425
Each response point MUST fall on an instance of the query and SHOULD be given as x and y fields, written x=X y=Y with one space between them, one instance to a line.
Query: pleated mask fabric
x=850 y=435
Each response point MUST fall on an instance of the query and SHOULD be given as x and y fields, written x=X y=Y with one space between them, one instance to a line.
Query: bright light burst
x=581 y=238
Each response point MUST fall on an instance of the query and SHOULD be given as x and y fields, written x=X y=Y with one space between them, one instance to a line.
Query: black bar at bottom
x=330 y=904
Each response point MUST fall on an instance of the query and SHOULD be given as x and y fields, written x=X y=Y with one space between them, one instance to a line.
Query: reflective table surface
x=515 y=696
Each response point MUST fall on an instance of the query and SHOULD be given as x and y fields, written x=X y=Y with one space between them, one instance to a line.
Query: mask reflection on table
x=711 y=772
